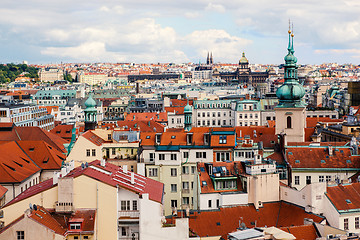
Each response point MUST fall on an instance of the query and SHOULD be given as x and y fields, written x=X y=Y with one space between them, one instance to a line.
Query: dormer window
x=222 y=139
x=75 y=226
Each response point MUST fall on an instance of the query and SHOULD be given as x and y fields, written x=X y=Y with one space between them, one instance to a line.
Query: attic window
x=18 y=163
x=50 y=147
x=202 y=169
x=297 y=161
x=323 y=161
x=10 y=167
x=25 y=160
x=173 y=137
x=147 y=137
x=347 y=200
x=348 y=161
x=58 y=131
x=290 y=153
x=68 y=131
x=46 y=161
x=204 y=183
x=31 y=149
x=218 y=224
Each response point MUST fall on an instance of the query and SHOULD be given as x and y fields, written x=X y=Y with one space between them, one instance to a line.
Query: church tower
x=90 y=114
x=188 y=117
x=290 y=113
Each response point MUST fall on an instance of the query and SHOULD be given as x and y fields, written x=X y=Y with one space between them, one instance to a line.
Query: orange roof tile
x=312 y=121
x=344 y=197
x=3 y=190
x=63 y=131
x=143 y=126
x=15 y=165
x=304 y=232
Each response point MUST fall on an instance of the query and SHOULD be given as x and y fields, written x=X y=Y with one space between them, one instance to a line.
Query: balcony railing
x=129 y=214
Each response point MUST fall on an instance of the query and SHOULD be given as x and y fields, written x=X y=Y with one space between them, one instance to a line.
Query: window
x=93 y=152
x=20 y=235
x=185 y=185
x=75 y=226
x=224 y=122
x=76 y=237
x=357 y=223
x=346 y=224
x=162 y=156
x=173 y=187
x=192 y=185
x=209 y=203
x=186 y=154
x=109 y=137
x=152 y=157
x=135 y=205
x=124 y=231
x=88 y=152
x=222 y=139
x=288 y=122
x=173 y=156
x=185 y=170
x=173 y=172
x=193 y=170
x=297 y=180
x=113 y=151
x=308 y=179
x=321 y=179
x=217 y=203
x=86 y=237
x=328 y=178
x=125 y=205
x=186 y=200
x=173 y=203
x=153 y=172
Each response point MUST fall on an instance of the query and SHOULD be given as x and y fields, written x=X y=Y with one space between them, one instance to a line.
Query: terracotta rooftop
x=92 y=137
x=318 y=157
x=147 y=116
x=312 y=121
x=3 y=190
x=142 y=125
x=226 y=220
x=63 y=131
x=345 y=197
x=304 y=232
x=15 y=165
x=176 y=110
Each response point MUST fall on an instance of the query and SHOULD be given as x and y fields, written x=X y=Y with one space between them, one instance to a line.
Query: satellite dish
x=86 y=164
x=82 y=166
x=35 y=207
x=30 y=206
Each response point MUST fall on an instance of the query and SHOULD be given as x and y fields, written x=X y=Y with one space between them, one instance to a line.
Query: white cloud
x=215 y=7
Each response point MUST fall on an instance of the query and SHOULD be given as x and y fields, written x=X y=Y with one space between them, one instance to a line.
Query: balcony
x=129 y=214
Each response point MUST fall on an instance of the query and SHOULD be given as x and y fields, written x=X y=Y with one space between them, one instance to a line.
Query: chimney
x=125 y=169
x=330 y=150
x=132 y=178
x=102 y=163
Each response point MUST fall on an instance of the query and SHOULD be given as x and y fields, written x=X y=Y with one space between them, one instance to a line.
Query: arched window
x=288 y=122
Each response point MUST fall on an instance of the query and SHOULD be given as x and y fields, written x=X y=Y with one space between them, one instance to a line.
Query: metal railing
x=130 y=214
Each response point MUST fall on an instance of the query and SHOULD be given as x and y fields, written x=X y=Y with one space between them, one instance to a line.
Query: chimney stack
x=132 y=178
x=125 y=169
x=102 y=163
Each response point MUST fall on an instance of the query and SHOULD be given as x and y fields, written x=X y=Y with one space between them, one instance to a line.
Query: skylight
x=347 y=200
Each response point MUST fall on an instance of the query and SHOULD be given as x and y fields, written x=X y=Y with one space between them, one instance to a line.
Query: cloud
x=215 y=7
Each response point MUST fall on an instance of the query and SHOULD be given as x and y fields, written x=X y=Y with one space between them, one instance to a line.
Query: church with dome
x=243 y=74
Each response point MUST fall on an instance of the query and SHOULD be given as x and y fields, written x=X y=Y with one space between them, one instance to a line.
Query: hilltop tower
x=291 y=111
x=90 y=114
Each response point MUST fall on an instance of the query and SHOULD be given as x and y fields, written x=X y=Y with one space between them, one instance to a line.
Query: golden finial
x=292 y=29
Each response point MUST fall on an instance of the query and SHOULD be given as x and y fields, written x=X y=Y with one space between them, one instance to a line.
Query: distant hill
x=10 y=71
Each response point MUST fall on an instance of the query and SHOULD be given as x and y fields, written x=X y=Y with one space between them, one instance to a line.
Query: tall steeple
x=290 y=113
x=291 y=92
x=90 y=114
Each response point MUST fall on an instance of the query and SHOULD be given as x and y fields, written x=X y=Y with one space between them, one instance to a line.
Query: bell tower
x=290 y=113
x=90 y=114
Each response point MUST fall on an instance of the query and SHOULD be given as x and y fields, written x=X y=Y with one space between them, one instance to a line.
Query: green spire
x=291 y=92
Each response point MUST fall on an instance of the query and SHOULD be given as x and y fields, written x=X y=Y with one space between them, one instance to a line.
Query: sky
x=178 y=31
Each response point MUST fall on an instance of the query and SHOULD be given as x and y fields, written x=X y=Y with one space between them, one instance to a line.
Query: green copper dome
x=90 y=102
x=290 y=94
x=243 y=59
x=187 y=108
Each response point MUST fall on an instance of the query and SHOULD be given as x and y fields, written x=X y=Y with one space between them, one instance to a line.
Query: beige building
x=91 y=78
x=127 y=205
x=51 y=74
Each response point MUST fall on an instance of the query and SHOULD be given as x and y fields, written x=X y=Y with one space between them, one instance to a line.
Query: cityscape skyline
x=143 y=32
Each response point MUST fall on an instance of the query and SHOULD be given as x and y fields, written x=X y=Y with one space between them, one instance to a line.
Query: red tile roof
x=147 y=116
x=44 y=156
x=312 y=121
x=176 y=110
x=92 y=137
x=344 y=197
x=15 y=165
x=42 y=216
x=304 y=232
x=118 y=177
x=258 y=134
x=226 y=220
x=33 y=190
x=318 y=157
x=142 y=125
x=63 y=131
x=32 y=134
